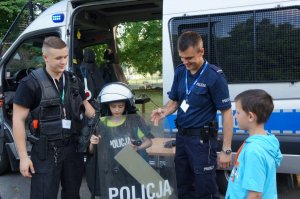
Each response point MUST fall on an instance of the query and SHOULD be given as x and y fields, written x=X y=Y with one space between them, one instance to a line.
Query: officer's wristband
x=227 y=151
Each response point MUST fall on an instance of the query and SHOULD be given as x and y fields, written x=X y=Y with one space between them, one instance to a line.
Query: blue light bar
x=57 y=18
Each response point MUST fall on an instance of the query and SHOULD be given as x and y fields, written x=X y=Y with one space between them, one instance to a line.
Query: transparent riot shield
x=134 y=160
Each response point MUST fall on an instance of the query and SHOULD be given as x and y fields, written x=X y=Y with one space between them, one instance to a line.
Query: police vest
x=46 y=119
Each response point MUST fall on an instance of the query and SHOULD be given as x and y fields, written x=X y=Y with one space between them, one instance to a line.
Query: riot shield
x=133 y=160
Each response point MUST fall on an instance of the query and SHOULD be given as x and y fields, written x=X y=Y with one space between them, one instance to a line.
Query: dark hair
x=129 y=108
x=189 y=39
x=257 y=101
x=53 y=42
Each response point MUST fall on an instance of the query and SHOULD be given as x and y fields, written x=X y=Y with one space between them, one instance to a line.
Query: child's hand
x=134 y=147
x=95 y=139
x=135 y=144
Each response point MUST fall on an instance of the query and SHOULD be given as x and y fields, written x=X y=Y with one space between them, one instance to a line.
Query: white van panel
x=193 y=7
x=44 y=21
x=178 y=8
x=168 y=66
x=278 y=91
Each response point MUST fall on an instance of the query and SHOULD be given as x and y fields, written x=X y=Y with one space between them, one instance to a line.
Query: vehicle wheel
x=4 y=162
x=222 y=180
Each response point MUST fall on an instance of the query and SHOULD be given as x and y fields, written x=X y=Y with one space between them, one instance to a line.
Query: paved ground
x=14 y=186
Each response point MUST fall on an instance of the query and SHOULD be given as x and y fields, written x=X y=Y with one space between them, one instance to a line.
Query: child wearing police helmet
x=119 y=126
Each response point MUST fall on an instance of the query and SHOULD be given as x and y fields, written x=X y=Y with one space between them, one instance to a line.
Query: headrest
x=109 y=55
x=89 y=56
x=77 y=51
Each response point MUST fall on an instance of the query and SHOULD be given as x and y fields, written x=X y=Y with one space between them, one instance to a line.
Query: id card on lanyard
x=66 y=124
x=185 y=103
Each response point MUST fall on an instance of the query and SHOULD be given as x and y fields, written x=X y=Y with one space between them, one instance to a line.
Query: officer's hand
x=224 y=160
x=157 y=115
x=26 y=167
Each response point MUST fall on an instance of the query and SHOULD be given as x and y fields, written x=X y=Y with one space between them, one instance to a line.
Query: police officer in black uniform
x=199 y=89
x=55 y=100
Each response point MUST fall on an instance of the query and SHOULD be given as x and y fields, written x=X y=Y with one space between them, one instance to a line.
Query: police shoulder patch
x=217 y=69
x=180 y=65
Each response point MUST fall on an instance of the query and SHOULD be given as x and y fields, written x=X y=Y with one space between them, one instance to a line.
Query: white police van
x=255 y=42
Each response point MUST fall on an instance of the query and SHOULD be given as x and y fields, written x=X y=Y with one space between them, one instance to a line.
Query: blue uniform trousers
x=195 y=165
x=62 y=165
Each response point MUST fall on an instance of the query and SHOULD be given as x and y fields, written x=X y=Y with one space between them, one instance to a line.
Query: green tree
x=140 y=45
x=263 y=54
x=10 y=9
x=8 y=12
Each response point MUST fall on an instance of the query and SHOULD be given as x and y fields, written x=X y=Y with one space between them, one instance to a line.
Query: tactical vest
x=46 y=119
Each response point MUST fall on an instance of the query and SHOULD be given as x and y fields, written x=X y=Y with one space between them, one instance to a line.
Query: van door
x=25 y=56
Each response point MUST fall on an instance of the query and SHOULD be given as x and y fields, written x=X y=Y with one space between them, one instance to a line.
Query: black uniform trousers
x=62 y=165
x=195 y=166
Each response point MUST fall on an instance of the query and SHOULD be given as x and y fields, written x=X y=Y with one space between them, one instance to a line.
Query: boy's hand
x=95 y=139
x=135 y=144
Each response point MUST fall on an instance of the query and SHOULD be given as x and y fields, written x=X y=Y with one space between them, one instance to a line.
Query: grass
x=156 y=100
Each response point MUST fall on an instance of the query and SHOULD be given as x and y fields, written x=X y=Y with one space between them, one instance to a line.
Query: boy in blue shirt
x=254 y=171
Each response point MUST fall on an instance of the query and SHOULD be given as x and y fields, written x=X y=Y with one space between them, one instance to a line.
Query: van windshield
x=29 y=12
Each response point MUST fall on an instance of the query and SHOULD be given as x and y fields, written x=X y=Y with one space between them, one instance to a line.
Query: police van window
x=252 y=46
x=28 y=56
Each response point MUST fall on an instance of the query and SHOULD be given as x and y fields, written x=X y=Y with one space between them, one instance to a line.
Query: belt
x=192 y=132
x=204 y=133
x=61 y=142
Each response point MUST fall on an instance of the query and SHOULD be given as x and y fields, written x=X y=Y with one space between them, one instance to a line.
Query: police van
x=256 y=43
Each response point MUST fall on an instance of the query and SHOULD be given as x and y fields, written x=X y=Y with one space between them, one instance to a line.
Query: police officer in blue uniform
x=199 y=89
x=55 y=100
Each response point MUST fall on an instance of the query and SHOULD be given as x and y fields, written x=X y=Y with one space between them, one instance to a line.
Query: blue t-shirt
x=255 y=169
x=209 y=94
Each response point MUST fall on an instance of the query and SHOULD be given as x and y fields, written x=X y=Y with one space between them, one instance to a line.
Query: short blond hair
x=53 y=42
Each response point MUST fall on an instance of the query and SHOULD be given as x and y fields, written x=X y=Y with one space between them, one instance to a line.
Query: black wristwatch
x=227 y=151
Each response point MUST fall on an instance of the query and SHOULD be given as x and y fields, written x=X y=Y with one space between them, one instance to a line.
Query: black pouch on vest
x=50 y=121
x=42 y=147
